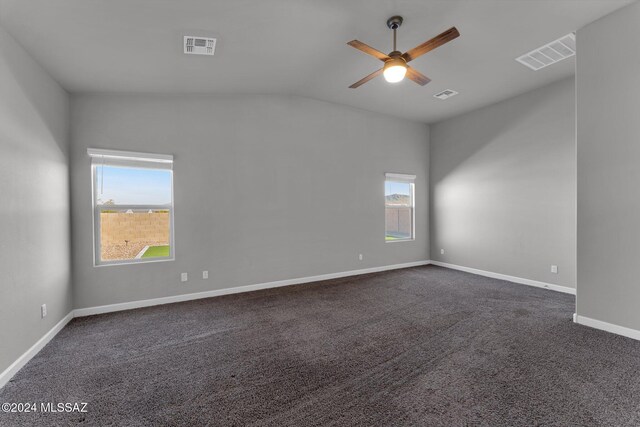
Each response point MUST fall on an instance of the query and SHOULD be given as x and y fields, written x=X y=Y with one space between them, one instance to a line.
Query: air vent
x=556 y=51
x=199 y=45
x=445 y=94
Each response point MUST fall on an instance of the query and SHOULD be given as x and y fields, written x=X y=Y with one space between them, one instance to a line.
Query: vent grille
x=448 y=93
x=556 y=51
x=199 y=45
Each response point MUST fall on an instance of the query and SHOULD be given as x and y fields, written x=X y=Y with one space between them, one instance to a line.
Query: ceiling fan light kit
x=394 y=70
x=395 y=67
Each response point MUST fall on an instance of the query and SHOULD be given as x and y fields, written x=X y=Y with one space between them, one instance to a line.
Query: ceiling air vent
x=199 y=45
x=445 y=94
x=556 y=51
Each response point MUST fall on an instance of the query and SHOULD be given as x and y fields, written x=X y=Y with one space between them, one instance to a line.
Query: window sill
x=132 y=262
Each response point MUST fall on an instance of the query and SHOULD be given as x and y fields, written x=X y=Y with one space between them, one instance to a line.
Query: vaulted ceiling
x=298 y=47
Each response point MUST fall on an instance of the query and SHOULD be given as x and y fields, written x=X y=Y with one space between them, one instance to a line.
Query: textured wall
x=608 y=168
x=265 y=187
x=34 y=205
x=503 y=182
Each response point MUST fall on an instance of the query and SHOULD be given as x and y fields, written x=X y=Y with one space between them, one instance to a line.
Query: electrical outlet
x=441 y=251
x=43 y=311
x=360 y=257
x=205 y=274
x=184 y=277
x=554 y=269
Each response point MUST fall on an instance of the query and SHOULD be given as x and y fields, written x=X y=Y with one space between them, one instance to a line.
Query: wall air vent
x=445 y=94
x=199 y=45
x=556 y=51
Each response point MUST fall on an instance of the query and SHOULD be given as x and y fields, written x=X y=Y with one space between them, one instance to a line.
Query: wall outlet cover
x=43 y=310
x=184 y=277
x=205 y=274
x=554 y=269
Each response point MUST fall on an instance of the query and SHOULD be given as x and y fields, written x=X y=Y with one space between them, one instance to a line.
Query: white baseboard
x=506 y=277
x=609 y=327
x=8 y=373
x=79 y=312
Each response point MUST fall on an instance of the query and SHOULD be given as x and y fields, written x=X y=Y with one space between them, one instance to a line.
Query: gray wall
x=266 y=188
x=503 y=187
x=34 y=223
x=609 y=168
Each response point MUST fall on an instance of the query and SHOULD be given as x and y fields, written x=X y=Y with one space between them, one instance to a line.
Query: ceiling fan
x=395 y=63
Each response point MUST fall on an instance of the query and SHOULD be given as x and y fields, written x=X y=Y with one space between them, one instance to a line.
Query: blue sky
x=127 y=186
x=391 y=187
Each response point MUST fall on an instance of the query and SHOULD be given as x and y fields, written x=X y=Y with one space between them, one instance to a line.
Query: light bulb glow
x=395 y=70
x=395 y=73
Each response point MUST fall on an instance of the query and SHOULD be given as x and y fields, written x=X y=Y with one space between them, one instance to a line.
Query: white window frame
x=133 y=160
x=409 y=179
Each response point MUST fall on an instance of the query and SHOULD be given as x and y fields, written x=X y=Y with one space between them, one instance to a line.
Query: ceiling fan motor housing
x=395 y=61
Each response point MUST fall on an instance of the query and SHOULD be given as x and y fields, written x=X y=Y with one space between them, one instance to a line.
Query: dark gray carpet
x=422 y=346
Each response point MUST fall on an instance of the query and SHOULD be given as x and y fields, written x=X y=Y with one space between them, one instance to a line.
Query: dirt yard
x=127 y=251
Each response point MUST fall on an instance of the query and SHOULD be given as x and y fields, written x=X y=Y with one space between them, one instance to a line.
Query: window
x=133 y=207
x=399 y=207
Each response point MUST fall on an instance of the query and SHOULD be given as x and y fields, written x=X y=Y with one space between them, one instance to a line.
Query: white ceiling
x=299 y=47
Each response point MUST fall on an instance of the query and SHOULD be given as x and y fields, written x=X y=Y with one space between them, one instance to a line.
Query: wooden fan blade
x=417 y=76
x=427 y=46
x=366 y=79
x=368 y=50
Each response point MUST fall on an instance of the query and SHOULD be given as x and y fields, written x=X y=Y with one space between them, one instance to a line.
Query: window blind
x=399 y=177
x=131 y=159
